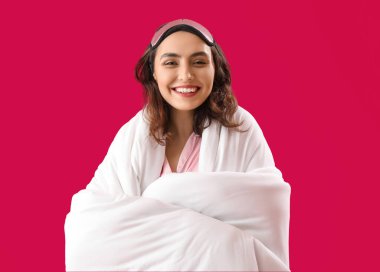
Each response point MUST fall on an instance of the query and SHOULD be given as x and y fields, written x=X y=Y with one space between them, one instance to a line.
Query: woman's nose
x=185 y=73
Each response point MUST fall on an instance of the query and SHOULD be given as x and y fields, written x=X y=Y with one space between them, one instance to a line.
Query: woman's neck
x=181 y=123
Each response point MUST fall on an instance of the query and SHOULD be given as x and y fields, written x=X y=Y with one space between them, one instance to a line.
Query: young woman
x=189 y=183
x=187 y=85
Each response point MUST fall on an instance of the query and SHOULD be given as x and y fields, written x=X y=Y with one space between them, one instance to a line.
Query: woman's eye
x=169 y=63
x=200 y=62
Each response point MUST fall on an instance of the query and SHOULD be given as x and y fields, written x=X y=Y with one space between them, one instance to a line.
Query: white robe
x=233 y=214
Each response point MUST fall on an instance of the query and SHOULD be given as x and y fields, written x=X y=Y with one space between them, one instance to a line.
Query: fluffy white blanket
x=231 y=215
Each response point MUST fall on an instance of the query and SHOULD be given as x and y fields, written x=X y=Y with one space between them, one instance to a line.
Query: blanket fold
x=231 y=215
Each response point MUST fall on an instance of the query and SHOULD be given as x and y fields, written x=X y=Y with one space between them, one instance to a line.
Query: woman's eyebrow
x=174 y=55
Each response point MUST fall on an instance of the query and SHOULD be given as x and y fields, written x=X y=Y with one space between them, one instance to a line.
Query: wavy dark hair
x=220 y=105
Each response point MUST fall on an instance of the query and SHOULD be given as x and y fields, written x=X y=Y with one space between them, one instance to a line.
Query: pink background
x=307 y=70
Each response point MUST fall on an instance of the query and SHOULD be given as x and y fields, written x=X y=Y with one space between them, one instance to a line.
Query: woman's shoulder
x=133 y=124
x=246 y=119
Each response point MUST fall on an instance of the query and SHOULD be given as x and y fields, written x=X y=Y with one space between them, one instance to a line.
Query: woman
x=183 y=89
x=225 y=208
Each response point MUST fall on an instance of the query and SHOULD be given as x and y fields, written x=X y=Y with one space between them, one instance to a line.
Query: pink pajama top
x=189 y=158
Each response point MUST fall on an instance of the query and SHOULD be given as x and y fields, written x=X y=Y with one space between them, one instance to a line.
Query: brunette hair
x=219 y=106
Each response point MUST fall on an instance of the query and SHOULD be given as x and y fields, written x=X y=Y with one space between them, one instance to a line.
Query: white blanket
x=231 y=215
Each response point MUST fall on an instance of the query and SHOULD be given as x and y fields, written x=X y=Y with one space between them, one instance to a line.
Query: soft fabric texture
x=233 y=214
x=189 y=158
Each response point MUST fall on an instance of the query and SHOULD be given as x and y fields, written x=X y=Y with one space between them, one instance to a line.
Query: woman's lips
x=186 y=90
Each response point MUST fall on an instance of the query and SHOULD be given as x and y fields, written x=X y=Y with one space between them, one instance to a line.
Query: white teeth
x=185 y=90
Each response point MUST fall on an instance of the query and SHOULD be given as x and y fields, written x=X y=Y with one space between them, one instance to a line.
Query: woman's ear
x=154 y=76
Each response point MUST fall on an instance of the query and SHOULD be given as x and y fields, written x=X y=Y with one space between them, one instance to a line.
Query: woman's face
x=184 y=70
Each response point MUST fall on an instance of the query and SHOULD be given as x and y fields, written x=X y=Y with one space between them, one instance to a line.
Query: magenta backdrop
x=307 y=70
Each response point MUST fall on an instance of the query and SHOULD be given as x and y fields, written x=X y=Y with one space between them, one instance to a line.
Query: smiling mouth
x=186 y=90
